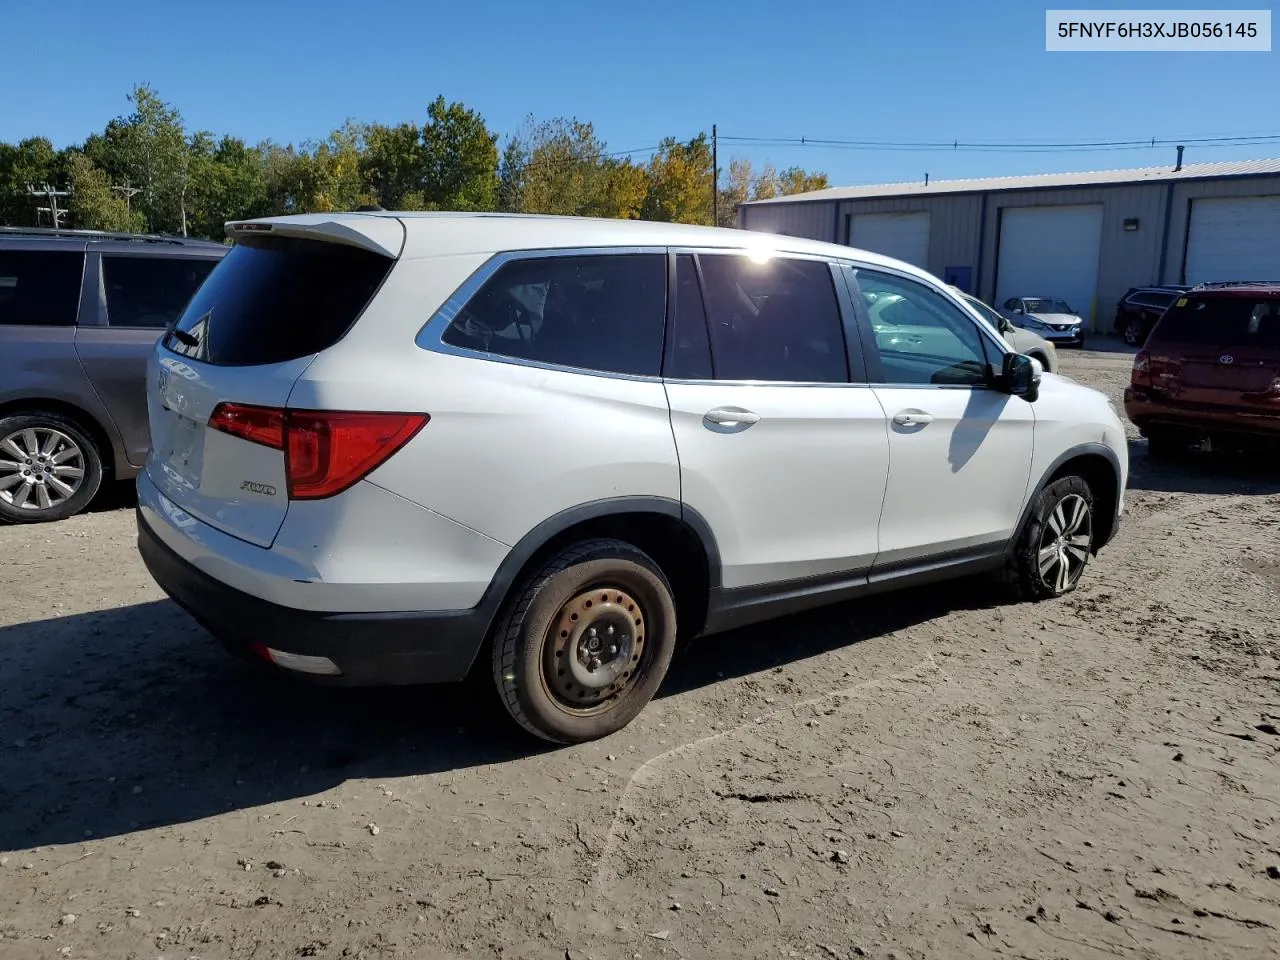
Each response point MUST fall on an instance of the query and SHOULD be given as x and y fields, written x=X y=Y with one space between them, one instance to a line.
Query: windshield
x=990 y=315
x=1046 y=305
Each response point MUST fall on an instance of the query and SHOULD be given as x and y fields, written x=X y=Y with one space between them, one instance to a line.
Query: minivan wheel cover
x=41 y=468
x=1065 y=543
x=594 y=648
x=1133 y=332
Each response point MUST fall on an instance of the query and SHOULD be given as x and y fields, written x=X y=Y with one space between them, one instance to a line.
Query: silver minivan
x=80 y=312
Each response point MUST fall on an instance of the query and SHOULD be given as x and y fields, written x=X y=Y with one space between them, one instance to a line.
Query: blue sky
x=900 y=70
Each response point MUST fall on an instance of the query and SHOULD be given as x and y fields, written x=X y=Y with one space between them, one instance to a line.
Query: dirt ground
x=927 y=775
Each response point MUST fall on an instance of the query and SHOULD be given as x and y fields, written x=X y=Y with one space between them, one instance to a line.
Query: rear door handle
x=731 y=417
x=912 y=418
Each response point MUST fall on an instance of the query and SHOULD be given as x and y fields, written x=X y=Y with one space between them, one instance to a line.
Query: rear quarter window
x=599 y=312
x=274 y=299
x=40 y=287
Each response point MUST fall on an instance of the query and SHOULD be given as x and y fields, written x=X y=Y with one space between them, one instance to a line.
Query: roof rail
x=1214 y=284
x=95 y=235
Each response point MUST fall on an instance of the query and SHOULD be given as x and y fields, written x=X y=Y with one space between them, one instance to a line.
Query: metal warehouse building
x=1084 y=237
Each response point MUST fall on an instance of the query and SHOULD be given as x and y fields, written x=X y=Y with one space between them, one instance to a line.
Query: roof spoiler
x=381 y=235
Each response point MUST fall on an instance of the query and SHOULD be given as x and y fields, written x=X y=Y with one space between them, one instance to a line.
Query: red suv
x=1210 y=371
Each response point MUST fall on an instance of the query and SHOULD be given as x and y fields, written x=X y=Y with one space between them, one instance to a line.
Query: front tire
x=1056 y=544
x=586 y=642
x=50 y=468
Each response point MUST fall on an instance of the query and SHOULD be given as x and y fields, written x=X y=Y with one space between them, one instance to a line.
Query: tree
x=392 y=165
x=147 y=149
x=680 y=182
x=31 y=162
x=735 y=193
x=94 y=205
x=564 y=173
x=795 y=180
x=511 y=172
x=459 y=159
x=226 y=183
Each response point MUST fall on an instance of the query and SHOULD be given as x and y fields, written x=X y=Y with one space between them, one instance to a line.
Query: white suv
x=387 y=446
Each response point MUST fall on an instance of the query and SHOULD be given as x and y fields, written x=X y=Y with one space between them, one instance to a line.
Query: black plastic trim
x=728 y=609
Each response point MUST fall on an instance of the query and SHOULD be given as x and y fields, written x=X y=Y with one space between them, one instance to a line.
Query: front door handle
x=731 y=417
x=912 y=418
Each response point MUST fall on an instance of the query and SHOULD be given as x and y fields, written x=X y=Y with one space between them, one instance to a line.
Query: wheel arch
x=678 y=539
x=97 y=432
x=1099 y=466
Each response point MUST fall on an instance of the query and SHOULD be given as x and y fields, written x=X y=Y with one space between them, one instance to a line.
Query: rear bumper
x=368 y=649
x=1152 y=412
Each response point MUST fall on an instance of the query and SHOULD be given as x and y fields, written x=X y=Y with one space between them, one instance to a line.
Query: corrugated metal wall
x=813 y=221
x=1128 y=258
x=953 y=225
x=1180 y=212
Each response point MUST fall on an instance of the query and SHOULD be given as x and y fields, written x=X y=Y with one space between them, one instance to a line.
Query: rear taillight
x=325 y=451
x=263 y=425
x=1141 y=376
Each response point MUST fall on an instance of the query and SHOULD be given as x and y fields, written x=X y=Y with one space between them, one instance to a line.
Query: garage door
x=903 y=236
x=1050 y=252
x=1234 y=239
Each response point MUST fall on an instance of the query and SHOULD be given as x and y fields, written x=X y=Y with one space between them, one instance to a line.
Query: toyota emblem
x=1226 y=358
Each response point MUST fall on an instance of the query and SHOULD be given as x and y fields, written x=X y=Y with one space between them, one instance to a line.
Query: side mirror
x=1017 y=310
x=1020 y=376
x=1005 y=325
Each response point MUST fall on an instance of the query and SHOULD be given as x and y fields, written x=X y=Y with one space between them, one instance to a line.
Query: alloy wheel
x=40 y=468
x=1065 y=543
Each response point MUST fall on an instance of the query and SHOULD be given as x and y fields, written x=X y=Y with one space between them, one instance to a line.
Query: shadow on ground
x=134 y=718
x=1220 y=472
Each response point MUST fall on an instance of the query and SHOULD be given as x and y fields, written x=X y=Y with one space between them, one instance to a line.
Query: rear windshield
x=1222 y=322
x=275 y=299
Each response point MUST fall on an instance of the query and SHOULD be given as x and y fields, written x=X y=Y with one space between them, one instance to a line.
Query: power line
x=1023 y=146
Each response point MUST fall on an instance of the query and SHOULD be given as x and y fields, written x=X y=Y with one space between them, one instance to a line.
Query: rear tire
x=50 y=468
x=1057 y=541
x=1134 y=335
x=586 y=642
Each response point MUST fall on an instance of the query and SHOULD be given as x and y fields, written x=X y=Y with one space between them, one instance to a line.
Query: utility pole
x=56 y=214
x=715 y=179
x=128 y=192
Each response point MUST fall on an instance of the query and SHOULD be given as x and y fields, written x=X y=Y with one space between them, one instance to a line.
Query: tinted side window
x=275 y=299
x=922 y=337
x=689 y=350
x=775 y=320
x=40 y=287
x=597 y=312
x=150 y=291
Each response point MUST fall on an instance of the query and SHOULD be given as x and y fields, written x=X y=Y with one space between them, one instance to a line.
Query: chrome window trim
x=430 y=335
x=1001 y=347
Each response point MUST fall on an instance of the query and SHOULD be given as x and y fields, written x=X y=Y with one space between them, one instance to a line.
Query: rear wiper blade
x=184 y=338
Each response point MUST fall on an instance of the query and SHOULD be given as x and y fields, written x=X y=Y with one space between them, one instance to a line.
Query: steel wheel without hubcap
x=40 y=468
x=593 y=649
x=1065 y=543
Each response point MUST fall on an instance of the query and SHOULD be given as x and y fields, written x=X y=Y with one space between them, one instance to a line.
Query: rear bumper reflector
x=321 y=666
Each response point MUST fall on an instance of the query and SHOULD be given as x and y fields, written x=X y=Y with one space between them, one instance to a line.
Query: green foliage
x=94 y=205
x=33 y=162
x=144 y=172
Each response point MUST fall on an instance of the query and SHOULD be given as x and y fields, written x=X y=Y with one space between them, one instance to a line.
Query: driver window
x=921 y=336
